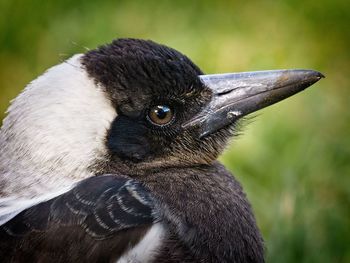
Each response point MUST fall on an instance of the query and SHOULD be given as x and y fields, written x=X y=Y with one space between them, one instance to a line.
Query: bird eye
x=161 y=115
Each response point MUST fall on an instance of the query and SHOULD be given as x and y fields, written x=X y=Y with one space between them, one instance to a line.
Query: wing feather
x=97 y=210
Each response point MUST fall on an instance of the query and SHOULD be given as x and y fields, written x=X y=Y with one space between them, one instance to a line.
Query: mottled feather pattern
x=98 y=207
x=102 y=205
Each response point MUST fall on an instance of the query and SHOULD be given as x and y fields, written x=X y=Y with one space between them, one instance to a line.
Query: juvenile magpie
x=111 y=157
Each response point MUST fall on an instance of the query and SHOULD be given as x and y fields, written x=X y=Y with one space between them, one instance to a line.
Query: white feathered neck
x=54 y=130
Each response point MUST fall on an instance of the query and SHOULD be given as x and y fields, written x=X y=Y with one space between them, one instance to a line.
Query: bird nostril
x=224 y=92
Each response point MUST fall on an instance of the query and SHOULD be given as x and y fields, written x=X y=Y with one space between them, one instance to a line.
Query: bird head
x=155 y=91
x=168 y=112
x=131 y=106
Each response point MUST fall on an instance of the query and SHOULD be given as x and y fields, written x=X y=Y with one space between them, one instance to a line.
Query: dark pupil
x=162 y=112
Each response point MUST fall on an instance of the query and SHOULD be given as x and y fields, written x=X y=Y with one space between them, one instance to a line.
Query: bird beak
x=238 y=94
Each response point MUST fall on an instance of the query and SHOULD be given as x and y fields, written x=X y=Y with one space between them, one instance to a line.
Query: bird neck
x=206 y=205
x=54 y=130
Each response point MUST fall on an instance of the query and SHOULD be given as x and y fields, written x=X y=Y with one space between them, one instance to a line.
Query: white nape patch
x=54 y=130
x=11 y=206
x=146 y=250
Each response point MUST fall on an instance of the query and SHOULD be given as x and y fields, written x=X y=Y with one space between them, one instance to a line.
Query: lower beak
x=238 y=94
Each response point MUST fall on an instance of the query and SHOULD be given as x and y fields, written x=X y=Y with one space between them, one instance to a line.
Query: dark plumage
x=80 y=217
x=136 y=75
x=153 y=174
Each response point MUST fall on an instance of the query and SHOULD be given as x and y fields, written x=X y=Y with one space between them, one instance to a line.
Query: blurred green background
x=294 y=157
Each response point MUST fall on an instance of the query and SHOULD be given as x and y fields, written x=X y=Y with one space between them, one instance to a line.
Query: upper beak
x=238 y=94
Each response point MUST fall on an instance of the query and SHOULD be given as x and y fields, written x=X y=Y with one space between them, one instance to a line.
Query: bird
x=111 y=156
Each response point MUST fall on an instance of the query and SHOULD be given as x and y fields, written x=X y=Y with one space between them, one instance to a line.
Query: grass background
x=294 y=158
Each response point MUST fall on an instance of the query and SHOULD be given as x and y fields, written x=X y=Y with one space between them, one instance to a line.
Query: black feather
x=97 y=210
